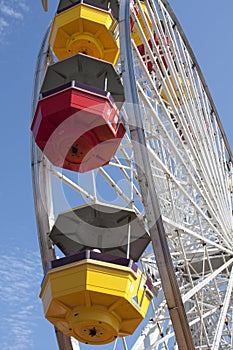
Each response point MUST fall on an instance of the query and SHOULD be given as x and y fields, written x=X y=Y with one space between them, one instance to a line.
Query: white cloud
x=23 y=6
x=3 y=25
x=12 y=13
x=3 y=22
x=21 y=275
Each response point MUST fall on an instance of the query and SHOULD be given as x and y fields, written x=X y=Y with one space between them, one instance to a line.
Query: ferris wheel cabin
x=84 y=28
x=77 y=123
x=95 y=297
x=111 y=229
x=92 y=296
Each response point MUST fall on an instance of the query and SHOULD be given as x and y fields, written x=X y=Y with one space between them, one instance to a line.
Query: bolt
x=92 y=332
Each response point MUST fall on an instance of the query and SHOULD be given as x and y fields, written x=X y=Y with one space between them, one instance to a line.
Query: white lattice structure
x=191 y=168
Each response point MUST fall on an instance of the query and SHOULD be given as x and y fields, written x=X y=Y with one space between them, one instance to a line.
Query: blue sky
x=208 y=26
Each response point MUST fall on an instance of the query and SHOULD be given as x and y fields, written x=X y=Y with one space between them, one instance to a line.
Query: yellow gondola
x=173 y=92
x=107 y=5
x=95 y=297
x=86 y=29
x=134 y=31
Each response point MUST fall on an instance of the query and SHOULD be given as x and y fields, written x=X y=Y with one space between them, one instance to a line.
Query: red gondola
x=76 y=124
x=78 y=129
x=146 y=58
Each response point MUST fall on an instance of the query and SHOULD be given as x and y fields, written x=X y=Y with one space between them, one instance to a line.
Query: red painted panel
x=77 y=129
x=141 y=49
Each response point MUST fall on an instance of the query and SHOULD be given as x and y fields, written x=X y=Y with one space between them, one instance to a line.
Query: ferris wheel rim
x=40 y=157
x=177 y=23
x=152 y=211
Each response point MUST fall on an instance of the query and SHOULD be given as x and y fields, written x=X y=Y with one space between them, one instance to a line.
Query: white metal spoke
x=192 y=171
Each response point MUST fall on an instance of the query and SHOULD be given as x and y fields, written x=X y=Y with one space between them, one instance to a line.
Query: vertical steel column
x=222 y=317
x=146 y=182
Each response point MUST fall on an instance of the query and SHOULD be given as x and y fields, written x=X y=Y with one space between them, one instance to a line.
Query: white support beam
x=205 y=281
x=222 y=316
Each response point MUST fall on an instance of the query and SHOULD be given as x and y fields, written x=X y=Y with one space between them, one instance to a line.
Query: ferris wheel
x=132 y=176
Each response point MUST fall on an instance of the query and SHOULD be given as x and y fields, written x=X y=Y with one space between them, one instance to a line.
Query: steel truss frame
x=191 y=171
